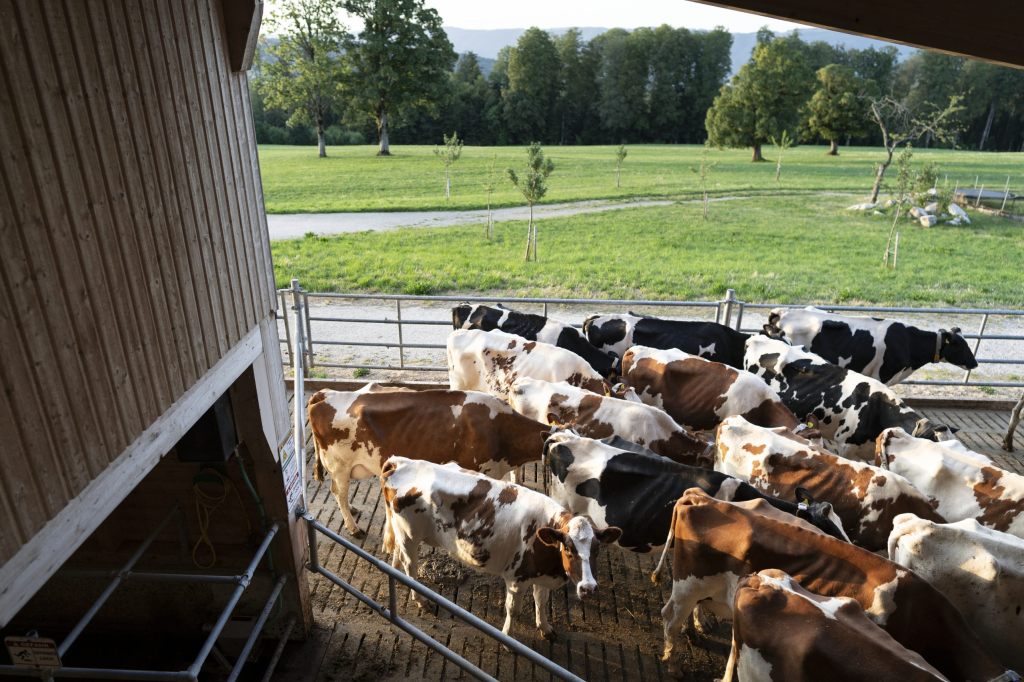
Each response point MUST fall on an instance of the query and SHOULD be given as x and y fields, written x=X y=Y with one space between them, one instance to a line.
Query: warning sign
x=291 y=472
x=33 y=652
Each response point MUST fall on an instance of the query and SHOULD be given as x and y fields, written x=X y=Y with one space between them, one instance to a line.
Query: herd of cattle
x=844 y=534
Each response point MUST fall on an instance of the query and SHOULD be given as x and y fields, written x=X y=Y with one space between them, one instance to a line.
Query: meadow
x=354 y=179
x=769 y=248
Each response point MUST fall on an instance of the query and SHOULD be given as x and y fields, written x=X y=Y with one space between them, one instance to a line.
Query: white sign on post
x=291 y=474
x=33 y=652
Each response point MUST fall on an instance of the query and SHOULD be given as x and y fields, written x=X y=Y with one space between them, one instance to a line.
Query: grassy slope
x=780 y=249
x=353 y=179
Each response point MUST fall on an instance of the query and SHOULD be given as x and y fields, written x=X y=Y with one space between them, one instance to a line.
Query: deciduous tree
x=302 y=70
x=839 y=105
x=400 y=60
x=762 y=100
x=533 y=185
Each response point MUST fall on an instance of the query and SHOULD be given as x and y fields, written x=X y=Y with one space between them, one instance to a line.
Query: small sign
x=291 y=472
x=33 y=652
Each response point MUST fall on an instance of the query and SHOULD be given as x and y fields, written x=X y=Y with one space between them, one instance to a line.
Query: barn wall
x=133 y=239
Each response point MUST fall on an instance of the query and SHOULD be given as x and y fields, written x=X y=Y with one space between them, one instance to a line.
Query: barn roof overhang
x=988 y=30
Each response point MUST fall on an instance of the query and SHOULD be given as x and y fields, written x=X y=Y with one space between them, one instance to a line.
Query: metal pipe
x=257 y=628
x=309 y=331
x=152 y=576
x=516 y=646
x=287 y=330
x=105 y=595
x=981 y=333
x=379 y=344
x=401 y=348
x=299 y=423
x=278 y=650
x=408 y=627
x=232 y=602
x=98 y=673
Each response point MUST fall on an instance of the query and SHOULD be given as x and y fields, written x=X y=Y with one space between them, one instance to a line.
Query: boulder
x=954 y=221
x=861 y=207
x=932 y=208
x=959 y=214
x=927 y=220
x=917 y=212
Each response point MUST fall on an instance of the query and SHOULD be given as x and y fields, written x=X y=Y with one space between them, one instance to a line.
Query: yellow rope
x=206 y=504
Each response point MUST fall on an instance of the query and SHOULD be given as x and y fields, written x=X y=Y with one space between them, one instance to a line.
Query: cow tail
x=318 y=464
x=656 y=575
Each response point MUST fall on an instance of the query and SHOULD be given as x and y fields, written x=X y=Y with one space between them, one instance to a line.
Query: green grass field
x=768 y=248
x=353 y=179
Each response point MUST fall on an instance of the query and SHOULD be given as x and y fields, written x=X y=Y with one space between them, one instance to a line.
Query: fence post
x=730 y=300
x=299 y=425
x=977 y=344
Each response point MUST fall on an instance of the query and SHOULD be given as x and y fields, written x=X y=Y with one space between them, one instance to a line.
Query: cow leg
x=512 y=601
x=340 y=489
x=730 y=665
x=513 y=475
x=541 y=601
x=679 y=606
x=407 y=552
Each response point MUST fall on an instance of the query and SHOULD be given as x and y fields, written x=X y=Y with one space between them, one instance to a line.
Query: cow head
x=954 y=349
x=936 y=432
x=819 y=514
x=578 y=541
x=460 y=315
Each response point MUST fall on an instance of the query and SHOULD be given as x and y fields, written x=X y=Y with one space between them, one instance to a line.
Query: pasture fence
x=349 y=330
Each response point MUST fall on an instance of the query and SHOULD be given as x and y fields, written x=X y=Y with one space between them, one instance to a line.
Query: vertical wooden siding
x=133 y=240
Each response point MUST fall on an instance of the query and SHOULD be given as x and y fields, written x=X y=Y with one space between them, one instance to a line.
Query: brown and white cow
x=491 y=361
x=598 y=416
x=355 y=431
x=495 y=527
x=865 y=497
x=851 y=409
x=961 y=484
x=783 y=633
x=699 y=393
x=979 y=569
x=715 y=544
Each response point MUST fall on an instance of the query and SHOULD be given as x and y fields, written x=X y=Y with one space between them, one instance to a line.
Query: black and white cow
x=886 y=350
x=620 y=484
x=850 y=409
x=535 y=328
x=709 y=340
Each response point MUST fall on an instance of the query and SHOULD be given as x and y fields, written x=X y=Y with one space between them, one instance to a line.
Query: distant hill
x=486 y=42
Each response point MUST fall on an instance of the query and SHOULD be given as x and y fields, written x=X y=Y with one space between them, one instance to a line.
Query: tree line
x=399 y=78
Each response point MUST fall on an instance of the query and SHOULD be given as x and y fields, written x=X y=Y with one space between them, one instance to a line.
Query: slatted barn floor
x=617 y=636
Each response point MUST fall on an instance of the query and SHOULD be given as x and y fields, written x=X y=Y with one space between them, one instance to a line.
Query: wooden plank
x=134 y=72
x=138 y=323
x=38 y=559
x=201 y=254
x=242 y=27
x=124 y=108
x=87 y=200
x=219 y=77
x=153 y=63
x=52 y=269
x=187 y=33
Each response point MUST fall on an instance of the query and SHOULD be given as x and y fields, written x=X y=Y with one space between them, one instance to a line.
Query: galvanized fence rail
x=730 y=311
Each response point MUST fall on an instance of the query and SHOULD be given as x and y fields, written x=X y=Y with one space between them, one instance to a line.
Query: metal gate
x=395 y=577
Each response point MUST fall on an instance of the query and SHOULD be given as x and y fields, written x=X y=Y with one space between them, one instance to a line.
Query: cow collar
x=938 y=344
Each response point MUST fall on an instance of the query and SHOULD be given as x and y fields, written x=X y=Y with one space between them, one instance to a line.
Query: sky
x=606 y=13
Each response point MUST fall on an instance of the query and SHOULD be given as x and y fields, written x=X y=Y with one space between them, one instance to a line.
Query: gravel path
x=296 y=225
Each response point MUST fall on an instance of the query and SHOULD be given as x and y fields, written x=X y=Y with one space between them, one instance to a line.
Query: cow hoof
x=548 y=635
x=359 y=533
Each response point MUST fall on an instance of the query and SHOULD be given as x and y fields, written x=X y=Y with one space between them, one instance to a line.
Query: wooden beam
x=41 y=556
x=989 y=31
x=242 y=27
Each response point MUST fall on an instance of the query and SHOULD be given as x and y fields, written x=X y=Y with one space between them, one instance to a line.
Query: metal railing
x=298 y=356
x=321 y=343
x=127 y=573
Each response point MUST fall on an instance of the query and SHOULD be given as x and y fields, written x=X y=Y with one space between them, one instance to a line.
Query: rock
x=932 y=191
x=890 y=203
x=916 y=212
x=877 y=212
x=927 y=220
x=954 y=221
x=861 y=207
x=932 y=208
x=959 y=214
